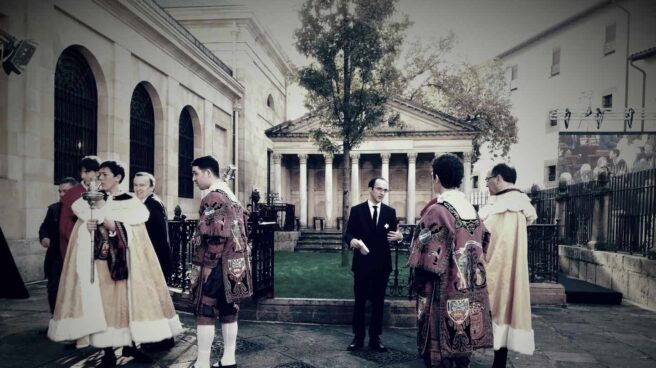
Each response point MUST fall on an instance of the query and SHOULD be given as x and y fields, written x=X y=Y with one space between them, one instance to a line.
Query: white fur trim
x=223 y=186
x=153 y=331
x=458 y=200
x=112 y=337
x=521 y=341
x=82 y=210
x=513 y=201
x=93 y=313
x=72 y=329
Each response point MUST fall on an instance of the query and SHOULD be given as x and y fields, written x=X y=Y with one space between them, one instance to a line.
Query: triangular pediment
x=417 y=120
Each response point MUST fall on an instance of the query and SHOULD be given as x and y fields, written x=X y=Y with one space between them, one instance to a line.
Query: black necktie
x=375 y=216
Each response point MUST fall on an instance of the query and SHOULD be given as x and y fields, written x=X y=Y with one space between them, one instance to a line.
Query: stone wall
x=633 y=276
x=123 y=46
x=285 y=240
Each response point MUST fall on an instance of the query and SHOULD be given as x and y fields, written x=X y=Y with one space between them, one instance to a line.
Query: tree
x=354 y=45
x=477 y=93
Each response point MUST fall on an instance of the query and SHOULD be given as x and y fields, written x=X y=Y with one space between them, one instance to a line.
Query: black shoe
x=108 y=360
x=163 y=345
x=138 y=355
x=377 y=346
x=356 y=344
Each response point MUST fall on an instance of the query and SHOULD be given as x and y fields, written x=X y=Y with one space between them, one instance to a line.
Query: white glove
x=363 y=248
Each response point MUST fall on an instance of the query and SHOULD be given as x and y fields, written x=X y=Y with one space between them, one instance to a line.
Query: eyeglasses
x=490 y=177
x=381 y=189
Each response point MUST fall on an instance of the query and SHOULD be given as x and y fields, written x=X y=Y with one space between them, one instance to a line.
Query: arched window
x=185 y=155
x=76 y=113
x=269 y=102
x=142 y=132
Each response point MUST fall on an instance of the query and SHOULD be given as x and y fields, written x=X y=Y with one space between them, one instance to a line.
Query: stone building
x=124 y=80
x=234 y=34
x=598 y=64
x=312 y=180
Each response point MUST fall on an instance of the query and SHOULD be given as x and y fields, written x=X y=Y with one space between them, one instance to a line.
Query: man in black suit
x=157 y=226
x=371 y=226
x=49 y=239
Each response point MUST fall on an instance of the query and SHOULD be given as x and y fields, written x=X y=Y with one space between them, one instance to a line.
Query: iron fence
x=578 y=213
x=282 y=213
x=543 y=252
x=544 y=202
x=632 y=212
x=479 y=199
x=399 y=283
x=180 y=233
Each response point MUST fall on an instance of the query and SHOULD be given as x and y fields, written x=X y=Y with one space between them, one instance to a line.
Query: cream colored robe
x=112 y=313
x=506 y=217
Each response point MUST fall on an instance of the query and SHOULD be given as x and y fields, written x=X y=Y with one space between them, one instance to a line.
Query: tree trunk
x=346 y=181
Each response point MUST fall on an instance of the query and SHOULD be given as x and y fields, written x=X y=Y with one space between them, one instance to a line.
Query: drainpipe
x=626 y=67
x=644 y=87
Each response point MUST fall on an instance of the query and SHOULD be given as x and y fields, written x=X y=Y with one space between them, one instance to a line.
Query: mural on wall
x=581 y=157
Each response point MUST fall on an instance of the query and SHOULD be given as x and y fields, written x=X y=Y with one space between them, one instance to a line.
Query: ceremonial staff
x=92 y=196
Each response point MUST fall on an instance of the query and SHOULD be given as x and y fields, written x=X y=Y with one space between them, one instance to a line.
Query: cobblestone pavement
x=581 y=336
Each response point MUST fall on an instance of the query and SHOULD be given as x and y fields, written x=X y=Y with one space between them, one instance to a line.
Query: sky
x=483 y=28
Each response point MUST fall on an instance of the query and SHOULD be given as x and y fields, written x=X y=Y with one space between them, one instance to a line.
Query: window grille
x=142 y=132
x=185 y=155
x=76 y=113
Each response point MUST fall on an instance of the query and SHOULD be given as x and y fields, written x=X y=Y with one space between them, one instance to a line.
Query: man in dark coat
x=157 y=224
x=371 y=226
x=49 y=238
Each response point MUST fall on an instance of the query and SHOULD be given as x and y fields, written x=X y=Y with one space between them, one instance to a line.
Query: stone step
x=396 y=313
x=582 y=292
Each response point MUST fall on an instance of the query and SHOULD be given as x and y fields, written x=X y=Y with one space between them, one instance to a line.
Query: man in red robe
x=88 y=171
x=447 y=255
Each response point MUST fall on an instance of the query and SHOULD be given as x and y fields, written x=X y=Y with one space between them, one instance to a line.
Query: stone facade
x=285 y=240
x=312 y=181
x=233 y=33
x=125 y=43
x=633 y=276
x=589 y=66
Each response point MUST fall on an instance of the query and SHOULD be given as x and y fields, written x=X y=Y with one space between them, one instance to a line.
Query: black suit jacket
x=361 y=226
x=158 y=232
x=50 y=229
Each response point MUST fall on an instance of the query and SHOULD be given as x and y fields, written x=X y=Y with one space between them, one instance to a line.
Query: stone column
x=329 y=189
x=355 y=178
x=600 y=213
x=385 y=171
x=561 y=208
x=277 y=174
x=467 y=158
x=302 y=189
x=410 y=206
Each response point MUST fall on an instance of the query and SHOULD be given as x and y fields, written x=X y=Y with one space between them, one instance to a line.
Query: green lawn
x=316 y=275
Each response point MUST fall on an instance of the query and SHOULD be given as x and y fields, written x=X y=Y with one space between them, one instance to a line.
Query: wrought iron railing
x=399 y=282
x=262 y=225
x=282 y=213
x=180 y=233
x=186 y=34
x=544 y=202
x=578 y=213
x=543 y=252
x=632 y=212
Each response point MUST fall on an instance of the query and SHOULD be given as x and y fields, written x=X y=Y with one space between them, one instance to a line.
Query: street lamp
x=15 y=54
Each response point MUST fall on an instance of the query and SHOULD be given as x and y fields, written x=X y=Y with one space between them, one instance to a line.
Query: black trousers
x=369 y=286
x=54 y=271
